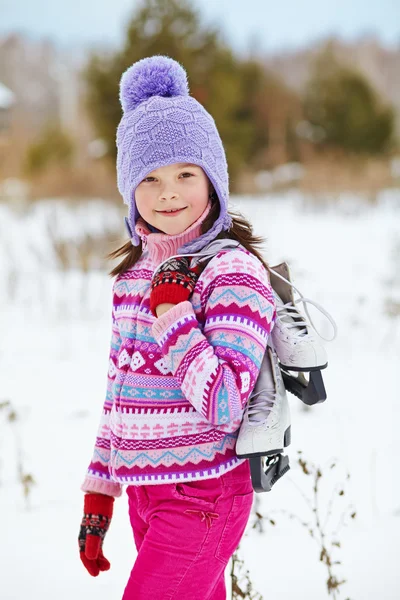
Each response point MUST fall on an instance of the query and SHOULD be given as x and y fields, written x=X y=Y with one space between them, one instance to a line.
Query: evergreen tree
x=344 y=105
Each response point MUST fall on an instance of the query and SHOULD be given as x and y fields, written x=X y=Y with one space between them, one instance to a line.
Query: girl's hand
x=174 y=282
x=97 y=513
x=162 y=308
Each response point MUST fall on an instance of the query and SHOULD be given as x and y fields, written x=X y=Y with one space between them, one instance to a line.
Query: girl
x=186 y=350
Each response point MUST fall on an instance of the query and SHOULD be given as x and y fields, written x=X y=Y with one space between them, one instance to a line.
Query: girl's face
x=173 y=197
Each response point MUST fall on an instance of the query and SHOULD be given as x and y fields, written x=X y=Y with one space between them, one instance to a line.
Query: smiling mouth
x=171 y=211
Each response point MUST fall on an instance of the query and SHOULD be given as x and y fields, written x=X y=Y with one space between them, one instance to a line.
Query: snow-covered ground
x=54 y=335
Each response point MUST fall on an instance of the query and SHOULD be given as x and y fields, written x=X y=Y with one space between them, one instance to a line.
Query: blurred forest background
x=325 y=117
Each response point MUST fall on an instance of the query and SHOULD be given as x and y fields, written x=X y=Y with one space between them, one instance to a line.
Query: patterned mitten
x=173 y=282
x=98 y=509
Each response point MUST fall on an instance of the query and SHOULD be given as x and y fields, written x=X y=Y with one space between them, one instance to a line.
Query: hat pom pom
x=153 y=76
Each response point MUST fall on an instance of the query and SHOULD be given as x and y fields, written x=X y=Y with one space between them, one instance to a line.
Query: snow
x=55 y=325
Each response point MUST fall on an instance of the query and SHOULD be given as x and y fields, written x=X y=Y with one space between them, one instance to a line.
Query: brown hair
x=241 y=230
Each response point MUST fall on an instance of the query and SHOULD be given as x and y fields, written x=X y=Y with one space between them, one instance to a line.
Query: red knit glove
x=173 y=282
x=98 y=509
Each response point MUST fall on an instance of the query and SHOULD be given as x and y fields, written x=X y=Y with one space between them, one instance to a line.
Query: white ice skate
x=296 y=342
x=265 y=428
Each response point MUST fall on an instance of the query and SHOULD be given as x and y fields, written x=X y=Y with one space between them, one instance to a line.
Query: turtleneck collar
x=161 y=246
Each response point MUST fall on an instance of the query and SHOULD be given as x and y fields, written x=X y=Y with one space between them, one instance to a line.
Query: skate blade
x=264 y=481
x=284 y=470
x=310 y=392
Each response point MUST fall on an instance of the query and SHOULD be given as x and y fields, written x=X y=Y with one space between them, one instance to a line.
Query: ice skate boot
x=265 y=428
x=298 y=348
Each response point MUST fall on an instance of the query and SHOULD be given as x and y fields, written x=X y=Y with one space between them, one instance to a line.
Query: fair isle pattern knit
x=178 y=385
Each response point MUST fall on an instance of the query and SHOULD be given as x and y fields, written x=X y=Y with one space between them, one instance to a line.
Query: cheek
x=198 y=199
x=143 y=201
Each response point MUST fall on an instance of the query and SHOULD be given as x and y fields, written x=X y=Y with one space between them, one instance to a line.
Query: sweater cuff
x=109 y=488
x=183 y=309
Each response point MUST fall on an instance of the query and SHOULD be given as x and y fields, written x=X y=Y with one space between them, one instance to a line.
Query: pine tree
x=343 y=105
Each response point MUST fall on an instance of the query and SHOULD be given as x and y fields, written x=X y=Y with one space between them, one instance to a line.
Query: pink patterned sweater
x=177 y=385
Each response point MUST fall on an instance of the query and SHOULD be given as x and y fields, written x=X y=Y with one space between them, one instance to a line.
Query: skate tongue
x=260 y=405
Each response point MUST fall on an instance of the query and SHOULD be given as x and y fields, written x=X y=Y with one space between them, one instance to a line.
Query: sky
x=269 y=25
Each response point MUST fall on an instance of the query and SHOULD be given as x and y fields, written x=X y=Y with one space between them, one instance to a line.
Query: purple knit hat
x=162 y=125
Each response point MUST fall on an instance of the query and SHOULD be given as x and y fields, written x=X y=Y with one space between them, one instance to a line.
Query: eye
x=149 y=179
x=186 y=175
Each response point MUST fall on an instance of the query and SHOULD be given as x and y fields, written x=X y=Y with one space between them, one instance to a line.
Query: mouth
x=171 y=212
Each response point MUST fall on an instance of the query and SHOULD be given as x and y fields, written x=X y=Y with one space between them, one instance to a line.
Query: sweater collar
x=161 y=246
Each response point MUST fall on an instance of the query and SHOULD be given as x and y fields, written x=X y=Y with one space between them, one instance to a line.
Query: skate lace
x=282 y=311
x=289 y=309
x=265 y=405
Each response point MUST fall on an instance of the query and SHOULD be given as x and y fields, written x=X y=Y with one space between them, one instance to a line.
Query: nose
x=168 y=193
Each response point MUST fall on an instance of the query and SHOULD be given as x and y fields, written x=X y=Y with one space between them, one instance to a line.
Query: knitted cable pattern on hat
x=162 y=125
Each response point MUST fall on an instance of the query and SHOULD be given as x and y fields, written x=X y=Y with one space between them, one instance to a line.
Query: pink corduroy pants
x=185 y=534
